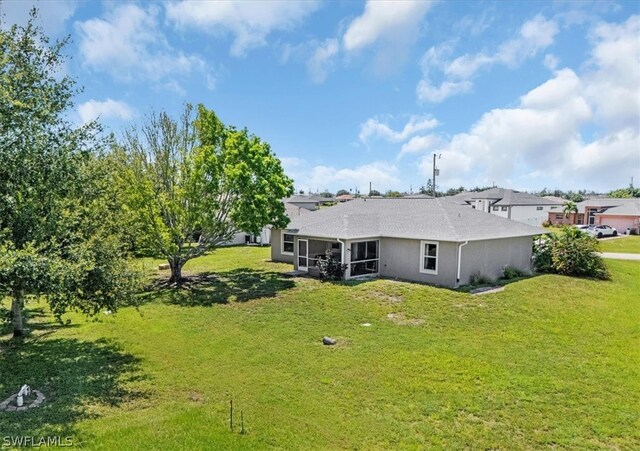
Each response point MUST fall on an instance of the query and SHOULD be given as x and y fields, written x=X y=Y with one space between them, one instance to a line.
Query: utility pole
x=369 y=188
x=435 y=173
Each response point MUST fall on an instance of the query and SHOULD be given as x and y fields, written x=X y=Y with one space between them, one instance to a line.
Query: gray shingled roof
x=631 y=208
x=428 y=219
x=603 y=202
x=293 y=212
x=303 y=198
x=502 y=197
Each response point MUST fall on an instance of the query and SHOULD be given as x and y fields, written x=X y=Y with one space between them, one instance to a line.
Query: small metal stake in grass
x=242 y=423
x=231 y=414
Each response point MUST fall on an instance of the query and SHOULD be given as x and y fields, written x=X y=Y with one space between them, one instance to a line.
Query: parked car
x=602 y=231
x=583 y=227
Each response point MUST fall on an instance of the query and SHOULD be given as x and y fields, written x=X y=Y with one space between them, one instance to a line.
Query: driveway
x=620 y=256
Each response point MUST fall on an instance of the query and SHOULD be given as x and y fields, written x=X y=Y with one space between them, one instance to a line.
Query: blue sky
x=521 y=94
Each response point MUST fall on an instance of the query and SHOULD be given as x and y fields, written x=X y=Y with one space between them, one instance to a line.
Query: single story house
x=292 y=210
x=510 y=204
x=309 y=202
x=596 y=211
x=345 y=197
x=424 y=240
x=621 y=218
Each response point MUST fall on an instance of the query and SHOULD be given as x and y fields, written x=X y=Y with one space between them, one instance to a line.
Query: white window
x=539 y=208
x=429 y=257
x=503 y=208
x=287 y=243
x=496 y=208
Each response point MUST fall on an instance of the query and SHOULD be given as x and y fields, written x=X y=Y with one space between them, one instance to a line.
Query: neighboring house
x=292 y=210
x=311 y=202
x=424 y=240
x=621 y=218
x=345 y=197
x=510 y=204
x=246 y=238
x=596 y=211
x=560 y=200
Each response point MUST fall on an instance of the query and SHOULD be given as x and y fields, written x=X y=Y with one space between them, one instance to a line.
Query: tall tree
x=53 y=239
x=194 y=183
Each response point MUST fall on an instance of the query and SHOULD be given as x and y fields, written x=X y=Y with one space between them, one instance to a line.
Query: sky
x=523 y=95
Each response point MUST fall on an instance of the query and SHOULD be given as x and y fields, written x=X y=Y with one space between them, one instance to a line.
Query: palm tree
x=570 y=207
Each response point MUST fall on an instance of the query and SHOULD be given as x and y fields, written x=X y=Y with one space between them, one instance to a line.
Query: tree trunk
x=176 y=271
x=16 y=313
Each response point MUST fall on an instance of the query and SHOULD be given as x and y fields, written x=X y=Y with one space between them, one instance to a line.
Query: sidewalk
x=620 y=256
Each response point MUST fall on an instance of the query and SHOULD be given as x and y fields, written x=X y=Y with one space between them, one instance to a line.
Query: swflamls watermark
x=30 y=441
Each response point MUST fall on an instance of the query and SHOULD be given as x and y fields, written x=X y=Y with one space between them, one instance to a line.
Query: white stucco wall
x=527 y=214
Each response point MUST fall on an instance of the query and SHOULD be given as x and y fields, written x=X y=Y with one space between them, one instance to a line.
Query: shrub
x=509 y=272
x=330 y=268
x=480 y=279
x=574 y=253
x=546 y=223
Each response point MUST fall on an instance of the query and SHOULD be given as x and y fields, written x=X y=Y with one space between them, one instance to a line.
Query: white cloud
x=105 y=109
x=388 y=26
x=534 y=35
x=613 y=85
x=249 y=22
x=436 y=94
x=321 y=61
x=385 y=21
x=374 y=128
x=548 y=136
x=128 y=44
x=419 y=144
x=381 y=174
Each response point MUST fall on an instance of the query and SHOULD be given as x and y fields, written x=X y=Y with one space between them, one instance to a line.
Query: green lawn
x=549 y=362
x=628 y=244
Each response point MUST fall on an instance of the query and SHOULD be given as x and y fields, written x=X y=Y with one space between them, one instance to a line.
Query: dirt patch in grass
x=402 y=320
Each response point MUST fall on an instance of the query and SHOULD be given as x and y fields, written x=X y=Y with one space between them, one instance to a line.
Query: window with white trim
x=539 y=208
x=287 y=243
x=429 y=257
x=503 y=208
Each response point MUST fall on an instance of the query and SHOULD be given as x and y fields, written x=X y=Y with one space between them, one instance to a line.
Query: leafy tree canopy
x=56 y=237
x=625 y=192
x=192 y=184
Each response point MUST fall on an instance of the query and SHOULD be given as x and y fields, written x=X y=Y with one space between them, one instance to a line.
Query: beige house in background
x=424 y=240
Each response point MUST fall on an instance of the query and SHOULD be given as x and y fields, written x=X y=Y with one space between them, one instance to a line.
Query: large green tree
x=193 y=183
x=56 y=237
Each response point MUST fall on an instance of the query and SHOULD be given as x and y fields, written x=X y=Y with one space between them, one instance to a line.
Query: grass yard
x=549 y=362
x=628 y=244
